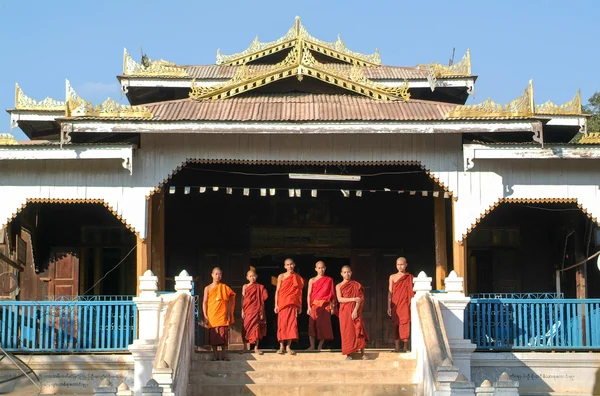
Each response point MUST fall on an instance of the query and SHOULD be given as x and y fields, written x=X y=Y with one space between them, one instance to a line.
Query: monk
x=253 y=312
x=351 y=297
x=399 y=295
x=321 y=303
x=288 y=304
x=217 y=306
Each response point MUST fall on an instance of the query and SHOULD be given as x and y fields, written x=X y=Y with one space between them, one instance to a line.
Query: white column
x=486 y=389
x=462 y=386
x=183 y=282
x=453 y=304
x=152 y=389
x=505 y=386
x=144 y=347
x=421 y=286
x=123 y=390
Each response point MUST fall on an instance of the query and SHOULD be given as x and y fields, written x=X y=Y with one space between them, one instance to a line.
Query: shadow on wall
x=596 y=390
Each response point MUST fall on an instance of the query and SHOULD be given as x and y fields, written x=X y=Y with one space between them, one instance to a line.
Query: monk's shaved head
x=346 y=266
x=401 y=260
x=251 y=272
x=216 y=269
x=320 y=262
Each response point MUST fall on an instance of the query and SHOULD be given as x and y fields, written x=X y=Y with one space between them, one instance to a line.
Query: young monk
x=288 y=304
x=217 y=306
x=351 y=296
x=321 y=303
x=253 y=312
x=399 y=295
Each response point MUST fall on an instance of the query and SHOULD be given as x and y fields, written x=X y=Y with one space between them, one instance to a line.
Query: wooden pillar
x=441 y=253
x=83 y=269
x=98 y=270
x=459 y=252
x=156 y=241
x=141 y=261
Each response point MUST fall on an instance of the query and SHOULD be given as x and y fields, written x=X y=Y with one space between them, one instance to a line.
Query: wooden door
x=364 y=271
x=64 y=275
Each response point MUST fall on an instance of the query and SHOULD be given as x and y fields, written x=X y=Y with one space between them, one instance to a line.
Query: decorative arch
x=527 y=201
x=158 y=188
x=73 y=201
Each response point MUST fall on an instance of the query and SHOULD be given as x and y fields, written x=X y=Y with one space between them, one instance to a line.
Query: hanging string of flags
x=297 y=192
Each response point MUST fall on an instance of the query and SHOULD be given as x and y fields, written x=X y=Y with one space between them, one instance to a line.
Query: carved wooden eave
x=297 y=34
x=299 y=63
x=78 y=107
x=572 y=107
x=149 y=67
x=460 y=68
x=584 y=139
x=24 y=102
x=522 y=107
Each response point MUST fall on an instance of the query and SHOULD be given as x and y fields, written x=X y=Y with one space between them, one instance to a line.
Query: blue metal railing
x=124 y=297
x=532 y=324
x=520 y=296
x=67 y=326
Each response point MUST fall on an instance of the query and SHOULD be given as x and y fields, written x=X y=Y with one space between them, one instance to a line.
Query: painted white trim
x=514 y=152
x=296 y=128
x=68 y=152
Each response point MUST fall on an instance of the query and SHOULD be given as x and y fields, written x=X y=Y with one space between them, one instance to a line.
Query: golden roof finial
x=157 y=68
x=24 y=102
x=572 y=107
x=523 y=106
x=7 y=139
x=460 y=68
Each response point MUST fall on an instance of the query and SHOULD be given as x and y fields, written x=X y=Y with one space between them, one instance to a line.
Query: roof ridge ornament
x=572 y=107
x=293 y=37
x=76 y=106
x=460 y=68
x=7 y=139
x=148 y=67
x=523 y=106
x=24 y=102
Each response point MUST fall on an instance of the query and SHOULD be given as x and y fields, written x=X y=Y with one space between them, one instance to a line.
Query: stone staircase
x=307 y=373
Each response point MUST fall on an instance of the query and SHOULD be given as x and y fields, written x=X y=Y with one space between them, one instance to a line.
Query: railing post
x=183 y=282
x=152 y=389
x=485 y=389
x=421 y=286
x=105 y=389
x=462 y=386
x=123 y=390
x=144 y=347
x=452 y=305
x=505 y=386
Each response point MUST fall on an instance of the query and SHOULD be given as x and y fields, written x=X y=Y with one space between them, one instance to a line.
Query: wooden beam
x=141 y=262
x=156 y=237
x=459 y=253
x=441 y=255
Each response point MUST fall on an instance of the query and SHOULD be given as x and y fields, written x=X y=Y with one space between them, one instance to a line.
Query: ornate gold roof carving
x=300 y=62
x=297 y=33
x=148 y=67
x=521 y=107
x=6 y=139
x=79 y=107
x=589 y=138
x=571 y=107
x=24 y=102
x=460 y=68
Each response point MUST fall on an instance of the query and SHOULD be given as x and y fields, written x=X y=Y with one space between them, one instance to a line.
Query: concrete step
x=305 y=389
x=305 y=355
x=344 y=376
x=295 y=365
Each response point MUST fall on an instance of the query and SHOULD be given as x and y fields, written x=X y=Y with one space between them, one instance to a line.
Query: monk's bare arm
x=310 y=284
x=389 y=304
x=242 y=303
x=205 y=304
x=230 y=308
x=279 y=278
x=341 y=299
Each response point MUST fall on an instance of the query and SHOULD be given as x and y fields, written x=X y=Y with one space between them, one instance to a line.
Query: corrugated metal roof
x=375 y=73
x=299 y=107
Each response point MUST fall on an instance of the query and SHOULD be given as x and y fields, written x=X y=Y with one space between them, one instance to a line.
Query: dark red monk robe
x=289 y=301
x=402 y=293
x=354 y=334
x=255 y=328
x=319 y=321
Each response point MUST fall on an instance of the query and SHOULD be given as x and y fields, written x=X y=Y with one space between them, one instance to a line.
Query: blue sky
x=555 y=43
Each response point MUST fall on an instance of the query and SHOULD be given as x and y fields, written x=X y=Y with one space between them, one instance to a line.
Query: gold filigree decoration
x=148 y=67
x=79 y=107
x=6 y=139
x=521 y=107
x=292 y=38
x=24 y=102
x=589 y=138
x=460 y=68
x=571 y=107
x=300 y=62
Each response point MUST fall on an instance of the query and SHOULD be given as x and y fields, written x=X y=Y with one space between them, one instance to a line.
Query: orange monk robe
x=354 y=333
x=402 y=293
x=218 y=323
x=319 y=321
x=289 y=301
x=253 y=306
